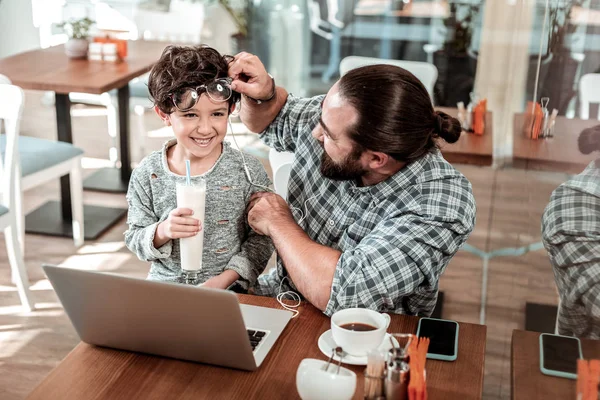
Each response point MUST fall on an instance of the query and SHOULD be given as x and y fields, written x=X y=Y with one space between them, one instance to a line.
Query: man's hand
x=250 y=77
x=178 y=225
x=266 y=209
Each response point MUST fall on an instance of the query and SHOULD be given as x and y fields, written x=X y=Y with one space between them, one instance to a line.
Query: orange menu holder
x=417 y=354
x=588 y=376
x=479 y=117
x=109 y=38
x=532 y=126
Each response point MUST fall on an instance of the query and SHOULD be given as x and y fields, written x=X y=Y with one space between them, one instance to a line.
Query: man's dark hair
x=182 y=67
x=589 y=140
x=395 y=113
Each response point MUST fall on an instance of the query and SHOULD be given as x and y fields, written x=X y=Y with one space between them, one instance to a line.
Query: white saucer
x=327 y=344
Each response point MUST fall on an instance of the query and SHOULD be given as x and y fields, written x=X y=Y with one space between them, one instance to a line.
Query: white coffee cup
x=354 y=342
x=313 y=383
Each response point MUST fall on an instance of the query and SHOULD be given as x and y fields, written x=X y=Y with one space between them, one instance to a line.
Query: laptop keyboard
x=255 y=337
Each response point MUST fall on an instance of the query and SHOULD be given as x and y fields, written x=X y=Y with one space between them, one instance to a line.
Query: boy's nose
x=203 y=127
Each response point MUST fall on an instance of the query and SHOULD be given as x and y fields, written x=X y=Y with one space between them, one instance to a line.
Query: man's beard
x=348 y=170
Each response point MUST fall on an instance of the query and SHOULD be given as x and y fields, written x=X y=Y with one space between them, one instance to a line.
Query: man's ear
x=376 y=159
x=165 y=117
x=232 y=108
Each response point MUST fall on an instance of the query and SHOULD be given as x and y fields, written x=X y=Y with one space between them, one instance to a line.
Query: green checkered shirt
x=396 y=237
x=571 y=235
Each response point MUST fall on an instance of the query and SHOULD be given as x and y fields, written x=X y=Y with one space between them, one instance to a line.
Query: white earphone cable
x=289 y=295
x=246 y=170
x=292 y=296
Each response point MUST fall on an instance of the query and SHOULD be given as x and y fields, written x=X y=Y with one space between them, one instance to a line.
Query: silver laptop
x=178 y=321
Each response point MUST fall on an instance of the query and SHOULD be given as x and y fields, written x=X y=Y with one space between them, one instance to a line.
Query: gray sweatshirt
x=229 y=242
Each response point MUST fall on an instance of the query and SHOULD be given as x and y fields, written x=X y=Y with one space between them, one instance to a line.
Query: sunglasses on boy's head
x=218 y=90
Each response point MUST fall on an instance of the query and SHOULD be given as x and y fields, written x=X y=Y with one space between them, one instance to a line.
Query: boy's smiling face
x=201 y=129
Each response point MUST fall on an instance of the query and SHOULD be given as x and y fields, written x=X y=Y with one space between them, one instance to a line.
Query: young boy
x=190 y=89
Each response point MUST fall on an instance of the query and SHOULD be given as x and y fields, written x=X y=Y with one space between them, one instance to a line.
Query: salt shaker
x=468 y=125
x=551 y=122
x=397 y=375
x=545 y=117
x=397 y=371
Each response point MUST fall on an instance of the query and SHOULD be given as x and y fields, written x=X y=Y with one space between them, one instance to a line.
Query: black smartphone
x=443 y=336
x=559 y=355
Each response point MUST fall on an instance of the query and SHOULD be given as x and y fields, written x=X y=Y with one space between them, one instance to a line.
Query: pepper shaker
x=397 y=376
x=397 y=371
x=545 y=117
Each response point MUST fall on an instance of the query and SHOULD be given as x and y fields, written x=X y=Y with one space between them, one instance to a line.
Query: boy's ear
x=165 y=117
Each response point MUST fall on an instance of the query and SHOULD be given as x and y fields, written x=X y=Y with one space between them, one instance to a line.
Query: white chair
x=281 y=164
x=328 y=18
x=589 y=92
x=10 y=114
x=3 y=80
x=318 y=24
x=281 y=176
x=427 y=73
x=40 y=161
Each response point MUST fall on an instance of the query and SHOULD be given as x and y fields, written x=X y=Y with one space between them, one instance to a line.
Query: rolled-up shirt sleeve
x=391 y=262
x=297 y=117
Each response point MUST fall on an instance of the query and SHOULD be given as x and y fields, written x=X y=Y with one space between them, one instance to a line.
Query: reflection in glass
x=571 y=235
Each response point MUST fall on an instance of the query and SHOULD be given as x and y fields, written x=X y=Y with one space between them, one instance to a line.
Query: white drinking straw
x=188 y=179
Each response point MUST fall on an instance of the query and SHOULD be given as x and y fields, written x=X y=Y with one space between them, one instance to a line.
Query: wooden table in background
x=559 y=153
x=50 y=69
x=470 y=148
x=101 y=373
x=528 y=382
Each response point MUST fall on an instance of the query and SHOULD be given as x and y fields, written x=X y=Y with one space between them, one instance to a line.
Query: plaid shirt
x=396 y=237
x=571 y=234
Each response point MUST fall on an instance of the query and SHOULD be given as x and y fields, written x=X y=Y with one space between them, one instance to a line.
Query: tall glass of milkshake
x=192 y=196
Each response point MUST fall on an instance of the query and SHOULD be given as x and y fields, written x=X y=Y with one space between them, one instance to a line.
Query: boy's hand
x=178 y=225
x=222 y=281
x=250 y=77
x=214 y=283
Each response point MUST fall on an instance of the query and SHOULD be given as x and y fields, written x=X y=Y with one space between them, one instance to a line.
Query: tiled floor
x=510 y=204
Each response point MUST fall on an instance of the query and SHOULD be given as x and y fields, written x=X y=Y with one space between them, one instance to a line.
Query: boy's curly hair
x=186 y=66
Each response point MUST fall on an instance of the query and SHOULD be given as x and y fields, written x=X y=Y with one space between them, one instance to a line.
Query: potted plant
x=456 y=62
x=78 y=31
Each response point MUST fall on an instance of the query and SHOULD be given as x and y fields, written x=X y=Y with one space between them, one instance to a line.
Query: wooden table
x=99 y=373
x=50 y=69
x=470 y=148
x=559 y=153
x=527 y=381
